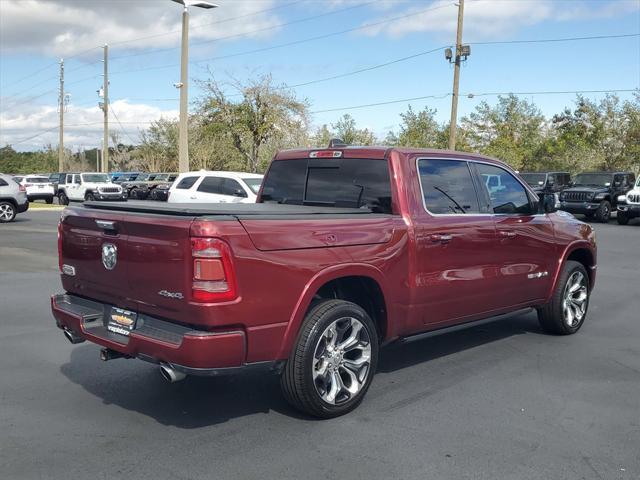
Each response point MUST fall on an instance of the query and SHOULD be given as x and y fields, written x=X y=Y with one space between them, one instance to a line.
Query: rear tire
x=622 y=218
x=49 y=200
x=7 y=212
x=333 y=361
x=567 y=310
x=604 y=212
x=63 y=199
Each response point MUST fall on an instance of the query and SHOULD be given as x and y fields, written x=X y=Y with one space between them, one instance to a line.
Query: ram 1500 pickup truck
x=348 y=249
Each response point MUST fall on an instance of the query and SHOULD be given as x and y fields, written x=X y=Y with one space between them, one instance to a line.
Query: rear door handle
x=507 y=233
x=441 y=237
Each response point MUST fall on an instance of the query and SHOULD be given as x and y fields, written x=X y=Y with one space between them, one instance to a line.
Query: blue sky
x=34 y=34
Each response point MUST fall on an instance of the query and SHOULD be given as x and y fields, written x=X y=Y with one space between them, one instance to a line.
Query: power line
x=287 y=44
x=553 y=40
x=121 y=127
x=251 y=32
x=224 y=20
x=390 y=102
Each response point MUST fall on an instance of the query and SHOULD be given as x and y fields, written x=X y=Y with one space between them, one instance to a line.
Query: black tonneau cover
x=228 y=209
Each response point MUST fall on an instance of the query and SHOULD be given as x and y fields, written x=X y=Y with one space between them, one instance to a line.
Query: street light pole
x=183 y=133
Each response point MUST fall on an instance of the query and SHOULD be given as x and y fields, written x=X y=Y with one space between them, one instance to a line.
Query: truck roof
x=381 y=152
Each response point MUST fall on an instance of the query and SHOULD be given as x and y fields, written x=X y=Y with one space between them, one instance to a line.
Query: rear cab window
x=336 y=182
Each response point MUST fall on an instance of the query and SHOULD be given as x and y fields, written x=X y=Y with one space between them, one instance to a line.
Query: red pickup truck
x=347 y=249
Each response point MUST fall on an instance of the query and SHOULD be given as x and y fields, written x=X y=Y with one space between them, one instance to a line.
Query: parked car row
x=595 y=194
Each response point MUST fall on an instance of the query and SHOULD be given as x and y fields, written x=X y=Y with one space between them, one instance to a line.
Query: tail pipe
x=107 y=354
x=170 y=374
x=72 y=336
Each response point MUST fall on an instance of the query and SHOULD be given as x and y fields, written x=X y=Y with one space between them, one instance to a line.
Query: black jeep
x=595 y=194
x=547 y=182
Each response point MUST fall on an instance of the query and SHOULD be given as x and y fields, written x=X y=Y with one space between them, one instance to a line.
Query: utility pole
x=61 y=107
x=183 y=140
x=105 y=108
x=456 y=79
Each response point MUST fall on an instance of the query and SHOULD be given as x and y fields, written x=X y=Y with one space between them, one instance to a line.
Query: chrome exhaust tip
x=170 y=374
x=72 y=337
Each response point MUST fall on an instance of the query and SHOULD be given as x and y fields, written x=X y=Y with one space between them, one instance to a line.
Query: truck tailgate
x=152 y=256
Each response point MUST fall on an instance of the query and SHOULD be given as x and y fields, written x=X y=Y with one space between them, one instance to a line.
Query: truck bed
x=238 y=210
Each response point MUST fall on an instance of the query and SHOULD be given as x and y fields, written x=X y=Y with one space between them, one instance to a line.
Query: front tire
x=333 y=361
x=604 y=212
x=89 y=197
x=7 y=212
x=622 y=218
x=567 y=310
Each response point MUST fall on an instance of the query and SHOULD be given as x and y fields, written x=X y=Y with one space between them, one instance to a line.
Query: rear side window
x=187 y=182
x=506 y=194
x=447 y=187
x=211 y=185
x=344 y=182
x=3 y=183
x=232 y=187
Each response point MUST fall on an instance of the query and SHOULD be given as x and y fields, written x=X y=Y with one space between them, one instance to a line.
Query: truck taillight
x=60 y=245
x=213 y=274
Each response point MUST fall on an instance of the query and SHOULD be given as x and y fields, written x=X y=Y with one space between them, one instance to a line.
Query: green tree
x=346 y=130
x=512 y=130
x=263 y=119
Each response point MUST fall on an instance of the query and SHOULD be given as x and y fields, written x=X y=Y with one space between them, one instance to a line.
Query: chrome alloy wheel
x=6 y=212
x=575 y=299
x=341 y=360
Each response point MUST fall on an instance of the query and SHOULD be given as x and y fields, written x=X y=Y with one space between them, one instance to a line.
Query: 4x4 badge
x=109 y=256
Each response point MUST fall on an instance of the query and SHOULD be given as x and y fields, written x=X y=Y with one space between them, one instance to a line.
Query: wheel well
x=10 y=200
x=583 y=256
x=363 y=291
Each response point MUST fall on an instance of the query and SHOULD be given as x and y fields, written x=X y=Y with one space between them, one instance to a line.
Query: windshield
x=37 y=180
x=534 y=179
x=162 y=177
x=95 y=177
x=253 y=183
x=141 y=177
x=595 y=179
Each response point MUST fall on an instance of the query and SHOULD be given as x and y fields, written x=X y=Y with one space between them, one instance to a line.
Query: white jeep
x=629 y=204
x=80 y=187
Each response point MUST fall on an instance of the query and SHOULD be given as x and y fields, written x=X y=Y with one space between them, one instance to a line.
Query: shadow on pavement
x=198 y=402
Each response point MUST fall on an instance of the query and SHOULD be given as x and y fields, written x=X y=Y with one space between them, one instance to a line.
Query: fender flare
x=312 y=287
x=569 y=249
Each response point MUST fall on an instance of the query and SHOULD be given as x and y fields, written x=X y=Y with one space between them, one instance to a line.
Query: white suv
x=629 y=204
x=13 y=198
x=215 y=187
x=38 y=187
x=79 y=187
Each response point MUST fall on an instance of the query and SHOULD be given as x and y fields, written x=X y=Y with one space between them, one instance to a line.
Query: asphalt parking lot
x=498 y=401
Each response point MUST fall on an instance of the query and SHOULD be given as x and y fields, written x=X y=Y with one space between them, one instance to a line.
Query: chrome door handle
x=441 y=237
x=507 y=233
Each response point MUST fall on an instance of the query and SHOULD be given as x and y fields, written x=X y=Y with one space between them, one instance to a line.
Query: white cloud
x=83 y=125
x=67 y=27
x=494 y=18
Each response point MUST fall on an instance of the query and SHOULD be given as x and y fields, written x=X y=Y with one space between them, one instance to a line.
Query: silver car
x=13 y=199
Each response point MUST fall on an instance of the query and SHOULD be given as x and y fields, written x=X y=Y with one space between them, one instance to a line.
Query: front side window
x=447 y=187
x=186 y=183
x=506 y=194
x=211 y=185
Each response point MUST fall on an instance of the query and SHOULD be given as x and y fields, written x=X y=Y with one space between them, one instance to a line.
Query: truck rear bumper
x=196 y=352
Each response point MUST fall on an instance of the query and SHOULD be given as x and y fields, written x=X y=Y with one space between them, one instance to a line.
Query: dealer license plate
x=121 y=321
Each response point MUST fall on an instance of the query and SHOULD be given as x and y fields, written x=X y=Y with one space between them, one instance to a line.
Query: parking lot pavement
x=501 y=400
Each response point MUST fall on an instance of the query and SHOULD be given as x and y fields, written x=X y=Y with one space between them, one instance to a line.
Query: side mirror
x=548 y=202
